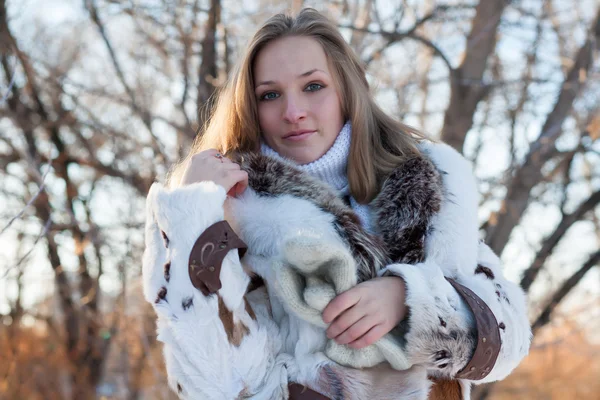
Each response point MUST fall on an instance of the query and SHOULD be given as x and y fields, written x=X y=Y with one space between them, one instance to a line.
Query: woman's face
x=299 y=108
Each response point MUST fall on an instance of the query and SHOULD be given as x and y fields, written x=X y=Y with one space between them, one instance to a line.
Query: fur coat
x=426 y=230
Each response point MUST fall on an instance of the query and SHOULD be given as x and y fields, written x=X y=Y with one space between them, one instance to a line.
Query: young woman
x=300 y=94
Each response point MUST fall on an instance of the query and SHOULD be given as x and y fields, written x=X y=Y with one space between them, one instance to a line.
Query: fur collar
x=404 y=208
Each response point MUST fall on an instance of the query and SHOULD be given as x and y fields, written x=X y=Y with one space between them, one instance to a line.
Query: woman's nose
x=294 y=111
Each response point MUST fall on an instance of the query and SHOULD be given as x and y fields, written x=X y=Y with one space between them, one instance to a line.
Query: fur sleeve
x=440 y=329
x=214 y=348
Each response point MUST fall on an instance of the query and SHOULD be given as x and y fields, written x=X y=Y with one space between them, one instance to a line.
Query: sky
x=540 y=220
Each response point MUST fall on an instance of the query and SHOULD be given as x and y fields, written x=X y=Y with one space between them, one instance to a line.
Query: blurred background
x=98 y=98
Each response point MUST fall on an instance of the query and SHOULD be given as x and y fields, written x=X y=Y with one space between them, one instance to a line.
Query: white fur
x=282 y=348
x=453 y=250
x=266 y=223
x=279 y=348
x=453 y=242
x=198 y=354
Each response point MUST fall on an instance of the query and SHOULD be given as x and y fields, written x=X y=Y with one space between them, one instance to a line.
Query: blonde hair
x=379 y=143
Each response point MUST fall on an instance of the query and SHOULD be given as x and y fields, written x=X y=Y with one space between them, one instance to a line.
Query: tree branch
x=530 y=173
x=397 y=36
x=90 y=5
x=551 y=241
x=564 y=290
x=208 y=67
x=465 y=97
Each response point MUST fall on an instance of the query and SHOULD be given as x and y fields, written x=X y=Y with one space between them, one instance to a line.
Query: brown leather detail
x=443 y=389
x=207 y=255
x=301 y=392
x=235 y=331
x=488 y=336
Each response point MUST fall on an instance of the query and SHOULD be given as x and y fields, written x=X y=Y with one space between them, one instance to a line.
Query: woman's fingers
x=237 y=182
x=241 y=185
x=228 y=166
x=357 y=330
x=370 y=337
x=211 y=165
x=206 y=153
x=344 y=321
x=339 y=304
x=219 y=158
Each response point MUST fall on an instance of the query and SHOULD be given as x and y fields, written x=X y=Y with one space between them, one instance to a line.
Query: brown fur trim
x=162 y=295
x=255 y=281
x=167 y=270
x=408 y=200
x=329 y=378
x=235 y=331
x=485 y=270
x=445 y=390
x=249 y=309
x=271 y=177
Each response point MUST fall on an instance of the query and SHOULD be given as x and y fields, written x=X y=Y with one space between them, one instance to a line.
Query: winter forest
x=98 y=98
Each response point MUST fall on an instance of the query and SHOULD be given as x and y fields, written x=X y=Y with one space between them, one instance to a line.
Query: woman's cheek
x=267 y=118
x=327 y=102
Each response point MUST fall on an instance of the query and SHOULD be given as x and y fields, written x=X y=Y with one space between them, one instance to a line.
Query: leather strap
x=488 y=336
x=301 y=392
x=207 y=255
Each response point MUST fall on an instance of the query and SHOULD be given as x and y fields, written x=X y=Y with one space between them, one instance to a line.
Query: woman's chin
x=301 y=154
x=302 y=158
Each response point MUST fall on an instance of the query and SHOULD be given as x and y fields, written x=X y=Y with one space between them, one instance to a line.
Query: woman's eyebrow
x=302 y=75
x=265 y=83
x=312 y=71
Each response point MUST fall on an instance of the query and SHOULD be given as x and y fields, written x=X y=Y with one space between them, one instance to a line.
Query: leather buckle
x=208 y=252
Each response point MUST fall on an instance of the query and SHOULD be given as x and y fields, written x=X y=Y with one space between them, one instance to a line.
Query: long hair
x=379 y=143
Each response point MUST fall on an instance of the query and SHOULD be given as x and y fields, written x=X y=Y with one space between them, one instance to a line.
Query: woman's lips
x=298 y=135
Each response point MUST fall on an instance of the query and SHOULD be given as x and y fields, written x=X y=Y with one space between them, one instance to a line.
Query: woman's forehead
x=288 y=59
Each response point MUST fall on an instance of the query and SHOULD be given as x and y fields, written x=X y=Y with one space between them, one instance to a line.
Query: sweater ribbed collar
x=331 y=167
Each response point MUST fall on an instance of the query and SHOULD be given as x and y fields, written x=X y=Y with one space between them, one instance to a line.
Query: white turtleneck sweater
x=331 y=168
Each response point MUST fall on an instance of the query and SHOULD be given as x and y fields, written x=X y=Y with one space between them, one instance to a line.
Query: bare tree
x=466 y=81
x=98 y=107
x=53 y=123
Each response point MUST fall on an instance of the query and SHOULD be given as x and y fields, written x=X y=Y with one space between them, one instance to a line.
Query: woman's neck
x=330 y=167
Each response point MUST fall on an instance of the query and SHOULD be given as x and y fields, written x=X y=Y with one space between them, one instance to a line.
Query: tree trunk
x=208 y=67
x=530 y=173
x=467 y=88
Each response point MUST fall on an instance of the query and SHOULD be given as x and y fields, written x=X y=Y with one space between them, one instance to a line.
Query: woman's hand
x=368 y=311
x=210 y=165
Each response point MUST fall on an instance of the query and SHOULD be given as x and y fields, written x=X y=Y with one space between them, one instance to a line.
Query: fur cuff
x=440 y=329
x=439 y=332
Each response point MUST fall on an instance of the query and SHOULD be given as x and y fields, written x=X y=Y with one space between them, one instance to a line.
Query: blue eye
x=313 y=87
x=269 y=96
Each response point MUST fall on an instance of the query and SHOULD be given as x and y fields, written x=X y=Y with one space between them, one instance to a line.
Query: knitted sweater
x=331 y=169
